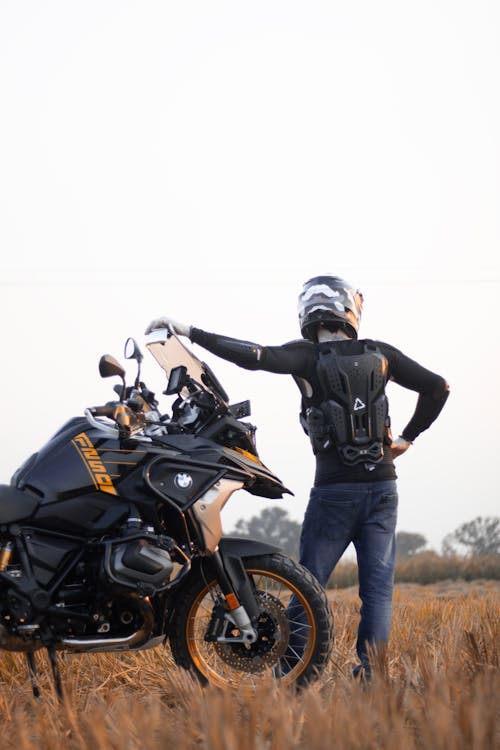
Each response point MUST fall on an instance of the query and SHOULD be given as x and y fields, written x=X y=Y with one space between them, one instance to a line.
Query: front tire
x=295 y=628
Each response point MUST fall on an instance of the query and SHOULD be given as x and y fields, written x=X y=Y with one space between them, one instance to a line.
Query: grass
x=427 y=567
x=436 y=687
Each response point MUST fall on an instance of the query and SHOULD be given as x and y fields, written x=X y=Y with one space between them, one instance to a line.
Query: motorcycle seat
x=15 y=505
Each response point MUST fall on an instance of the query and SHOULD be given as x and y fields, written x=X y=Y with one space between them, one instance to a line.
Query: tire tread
x=296 y=574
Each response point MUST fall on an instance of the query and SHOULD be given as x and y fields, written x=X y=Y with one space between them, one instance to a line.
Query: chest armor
x=354 y=407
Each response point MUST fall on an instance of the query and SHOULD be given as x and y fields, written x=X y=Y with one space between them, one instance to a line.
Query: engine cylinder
x=140 y=561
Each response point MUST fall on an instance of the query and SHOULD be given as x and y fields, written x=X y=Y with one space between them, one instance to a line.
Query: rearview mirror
x=132 y=350
x=109 y=366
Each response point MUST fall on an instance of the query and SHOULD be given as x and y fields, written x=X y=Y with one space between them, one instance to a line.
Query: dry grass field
x=437 y=688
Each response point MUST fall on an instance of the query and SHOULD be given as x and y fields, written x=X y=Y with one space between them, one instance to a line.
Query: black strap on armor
x=353 y=416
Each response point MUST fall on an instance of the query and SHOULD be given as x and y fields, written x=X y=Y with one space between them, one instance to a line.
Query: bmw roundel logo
x=183 y=481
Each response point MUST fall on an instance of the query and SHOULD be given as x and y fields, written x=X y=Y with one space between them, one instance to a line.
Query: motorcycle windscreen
x=170 y=352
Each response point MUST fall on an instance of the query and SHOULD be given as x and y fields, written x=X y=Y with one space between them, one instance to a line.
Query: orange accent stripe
x=232 y=601
x=119 y=450
x=247 y=454
x=86 y=465
x=129 y=463
x=108 y=489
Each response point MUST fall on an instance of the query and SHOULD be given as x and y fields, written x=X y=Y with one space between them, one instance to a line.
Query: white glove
x=181 y=329
x=399 y=446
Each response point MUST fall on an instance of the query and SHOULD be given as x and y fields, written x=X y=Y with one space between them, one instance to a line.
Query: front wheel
x=294 y=628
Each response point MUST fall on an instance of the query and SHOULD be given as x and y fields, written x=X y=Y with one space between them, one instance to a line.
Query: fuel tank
x=77 y=477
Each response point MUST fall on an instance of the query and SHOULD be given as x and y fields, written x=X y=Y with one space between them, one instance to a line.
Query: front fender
x=233 y=546
x=233 y=551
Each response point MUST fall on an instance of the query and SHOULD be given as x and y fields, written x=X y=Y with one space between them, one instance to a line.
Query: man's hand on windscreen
x=181 y=329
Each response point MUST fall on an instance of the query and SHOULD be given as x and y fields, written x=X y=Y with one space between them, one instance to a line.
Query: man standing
x=345 y=413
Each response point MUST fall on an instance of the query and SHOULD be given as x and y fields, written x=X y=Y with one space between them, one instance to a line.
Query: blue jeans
x=365 y=514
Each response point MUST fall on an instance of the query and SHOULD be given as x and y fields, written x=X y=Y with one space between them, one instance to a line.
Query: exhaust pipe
x=10 y=642
x=94 y=645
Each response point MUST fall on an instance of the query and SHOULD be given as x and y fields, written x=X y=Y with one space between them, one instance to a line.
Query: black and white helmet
x=331 y=301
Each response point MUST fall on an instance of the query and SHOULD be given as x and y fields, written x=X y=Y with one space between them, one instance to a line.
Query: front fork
x=240 y=605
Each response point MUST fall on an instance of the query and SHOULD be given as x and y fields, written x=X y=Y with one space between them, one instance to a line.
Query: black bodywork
x=99 y=538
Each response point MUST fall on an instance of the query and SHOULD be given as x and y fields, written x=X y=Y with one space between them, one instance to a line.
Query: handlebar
x=120 y=413
x=102 y=411
x=200 y=410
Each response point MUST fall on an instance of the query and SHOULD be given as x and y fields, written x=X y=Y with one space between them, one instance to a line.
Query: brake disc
x=273 y=633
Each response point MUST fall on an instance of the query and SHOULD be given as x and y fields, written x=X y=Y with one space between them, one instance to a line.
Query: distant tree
x=272 y=525
x=481 y=536
x=407 y=544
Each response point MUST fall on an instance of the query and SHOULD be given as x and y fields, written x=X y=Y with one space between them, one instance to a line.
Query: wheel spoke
x=299 y=624
x=284 y=645
x=297 y=656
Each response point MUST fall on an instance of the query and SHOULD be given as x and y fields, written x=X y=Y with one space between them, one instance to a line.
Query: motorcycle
x=111 y=538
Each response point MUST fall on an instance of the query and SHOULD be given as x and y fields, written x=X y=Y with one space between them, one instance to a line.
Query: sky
x=202 y=160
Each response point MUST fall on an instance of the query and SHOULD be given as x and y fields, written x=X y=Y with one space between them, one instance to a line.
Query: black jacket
x=299 y=358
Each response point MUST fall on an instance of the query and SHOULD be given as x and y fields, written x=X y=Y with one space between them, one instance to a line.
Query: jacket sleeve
x=292 y=358
x=433 y=390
